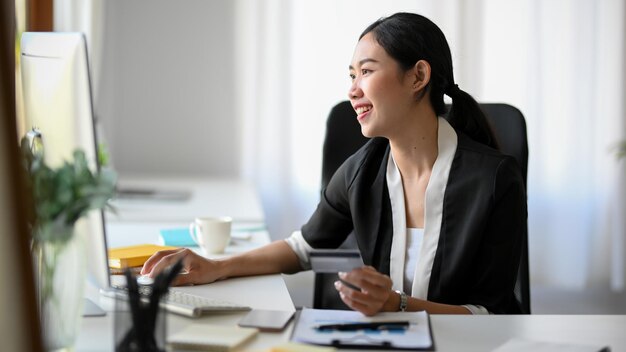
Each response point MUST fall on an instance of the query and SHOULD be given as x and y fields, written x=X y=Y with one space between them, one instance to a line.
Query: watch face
x=403 y=301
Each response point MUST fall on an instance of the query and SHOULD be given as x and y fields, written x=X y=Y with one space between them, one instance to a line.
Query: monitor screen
x=57 y=101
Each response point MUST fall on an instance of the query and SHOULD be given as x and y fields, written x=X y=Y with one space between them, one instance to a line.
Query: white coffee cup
x=211 y=233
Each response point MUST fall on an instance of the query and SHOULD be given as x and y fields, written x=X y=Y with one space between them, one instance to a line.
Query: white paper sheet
x=417 y=336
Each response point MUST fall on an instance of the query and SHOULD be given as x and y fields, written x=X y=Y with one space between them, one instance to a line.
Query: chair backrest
x=343 y=138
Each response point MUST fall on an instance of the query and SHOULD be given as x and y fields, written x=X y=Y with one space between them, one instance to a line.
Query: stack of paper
x=199 y=337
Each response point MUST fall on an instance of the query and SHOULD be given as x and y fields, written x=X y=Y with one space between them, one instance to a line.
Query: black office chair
x=343 y=138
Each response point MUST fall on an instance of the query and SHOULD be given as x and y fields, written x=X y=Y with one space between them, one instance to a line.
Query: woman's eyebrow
x=362 y=62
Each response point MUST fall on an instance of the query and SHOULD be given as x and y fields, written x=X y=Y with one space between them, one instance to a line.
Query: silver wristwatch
x=403 y=301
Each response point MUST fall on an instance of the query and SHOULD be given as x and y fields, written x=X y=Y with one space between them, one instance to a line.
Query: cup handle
x=193 y=228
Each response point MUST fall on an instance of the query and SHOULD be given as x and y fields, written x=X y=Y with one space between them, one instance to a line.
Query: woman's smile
x=362 y=111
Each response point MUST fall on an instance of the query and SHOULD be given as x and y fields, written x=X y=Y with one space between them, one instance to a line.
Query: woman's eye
x=365 y=71
x=352 y=76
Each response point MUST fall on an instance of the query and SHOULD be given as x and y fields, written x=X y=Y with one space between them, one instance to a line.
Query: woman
x=437 y=211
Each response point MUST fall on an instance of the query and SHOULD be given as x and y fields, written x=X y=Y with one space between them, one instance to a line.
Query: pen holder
x=139 y=329
x=140 y=322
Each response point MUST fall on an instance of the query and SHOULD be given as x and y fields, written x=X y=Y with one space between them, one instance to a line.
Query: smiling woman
x=406 y=193
x=400 y=70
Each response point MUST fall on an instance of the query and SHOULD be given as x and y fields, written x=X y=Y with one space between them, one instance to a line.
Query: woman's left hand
x=375 y=292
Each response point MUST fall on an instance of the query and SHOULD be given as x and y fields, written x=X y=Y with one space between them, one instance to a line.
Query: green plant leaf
x=63 y=195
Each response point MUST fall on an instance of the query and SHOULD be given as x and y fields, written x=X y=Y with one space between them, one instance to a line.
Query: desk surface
x=451 y=333
x=484 y=333
x=125 y=233
x=208 y=197
x=260 y=292
x=138 y=222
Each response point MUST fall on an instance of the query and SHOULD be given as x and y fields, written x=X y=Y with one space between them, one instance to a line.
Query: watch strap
x=403 y=301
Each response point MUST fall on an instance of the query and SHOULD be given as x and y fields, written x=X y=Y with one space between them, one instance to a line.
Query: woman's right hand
x=196 y=268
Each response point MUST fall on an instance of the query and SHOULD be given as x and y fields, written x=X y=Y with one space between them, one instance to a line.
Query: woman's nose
x=355 y=91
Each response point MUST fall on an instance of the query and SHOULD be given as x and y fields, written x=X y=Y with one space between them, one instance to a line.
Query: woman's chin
x=368 y=132
x=365 y=132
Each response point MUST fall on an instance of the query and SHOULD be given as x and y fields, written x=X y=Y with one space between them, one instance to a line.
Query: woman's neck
x=415 y=148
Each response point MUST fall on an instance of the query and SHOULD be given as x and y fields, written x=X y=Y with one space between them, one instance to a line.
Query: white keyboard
x=184 y=303
x=194 y=306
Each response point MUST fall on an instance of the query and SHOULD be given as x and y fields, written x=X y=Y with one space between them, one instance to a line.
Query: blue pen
x=382 y=325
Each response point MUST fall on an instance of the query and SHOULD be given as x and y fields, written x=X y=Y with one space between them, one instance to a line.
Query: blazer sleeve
x=498 y=258
x=331 y=222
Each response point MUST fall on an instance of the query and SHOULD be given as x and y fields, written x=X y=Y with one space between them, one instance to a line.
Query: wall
x=158 y=104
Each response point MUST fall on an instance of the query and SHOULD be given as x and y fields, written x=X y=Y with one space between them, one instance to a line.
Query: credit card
x=335 y=260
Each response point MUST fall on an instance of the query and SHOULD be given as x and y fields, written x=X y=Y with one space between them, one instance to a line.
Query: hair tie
x=453 y=90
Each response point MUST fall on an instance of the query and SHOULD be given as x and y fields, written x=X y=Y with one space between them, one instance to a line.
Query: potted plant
x=62 y=198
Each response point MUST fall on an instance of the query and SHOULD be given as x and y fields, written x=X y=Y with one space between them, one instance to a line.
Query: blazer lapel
x=370 y=240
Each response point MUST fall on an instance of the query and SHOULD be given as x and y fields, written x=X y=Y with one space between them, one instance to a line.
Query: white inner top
x=414 y=238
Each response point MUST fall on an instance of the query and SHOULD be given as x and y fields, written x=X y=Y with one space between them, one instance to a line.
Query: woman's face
x=381 y=93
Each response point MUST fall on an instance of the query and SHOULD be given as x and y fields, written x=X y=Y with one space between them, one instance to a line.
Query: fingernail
x=342 y=274
x=337 y=284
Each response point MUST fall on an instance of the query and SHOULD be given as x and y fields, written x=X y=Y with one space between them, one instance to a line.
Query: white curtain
x=560 y=62
x=85 y=16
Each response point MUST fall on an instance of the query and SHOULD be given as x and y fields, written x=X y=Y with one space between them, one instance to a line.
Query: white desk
x=451 y=333
x=261 y=292
x=128 y=233
x=213 y=197
x=484 y=333
x=138 y=223
x=141 y=221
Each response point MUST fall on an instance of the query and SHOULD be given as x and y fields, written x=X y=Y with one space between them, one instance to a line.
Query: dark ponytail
x=408 y=38
x=467 y=116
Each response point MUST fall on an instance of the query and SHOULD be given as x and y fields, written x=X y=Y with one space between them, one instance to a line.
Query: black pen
x=379 y=325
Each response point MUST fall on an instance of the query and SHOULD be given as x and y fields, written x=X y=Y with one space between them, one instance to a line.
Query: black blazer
x=483 y=221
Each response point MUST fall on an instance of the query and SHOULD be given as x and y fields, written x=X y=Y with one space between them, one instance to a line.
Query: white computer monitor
x=57 y=101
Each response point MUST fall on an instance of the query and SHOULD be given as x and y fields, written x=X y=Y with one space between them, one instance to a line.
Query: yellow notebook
x=130 y=256
x=199 y=337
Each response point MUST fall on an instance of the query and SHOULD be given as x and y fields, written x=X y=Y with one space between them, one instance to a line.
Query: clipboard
x=418 y=336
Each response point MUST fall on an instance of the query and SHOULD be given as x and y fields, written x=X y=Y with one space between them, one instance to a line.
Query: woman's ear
x=420 y=73
x=419 y=76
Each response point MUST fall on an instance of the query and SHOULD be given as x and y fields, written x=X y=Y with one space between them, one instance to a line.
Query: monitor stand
x=90 y=309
